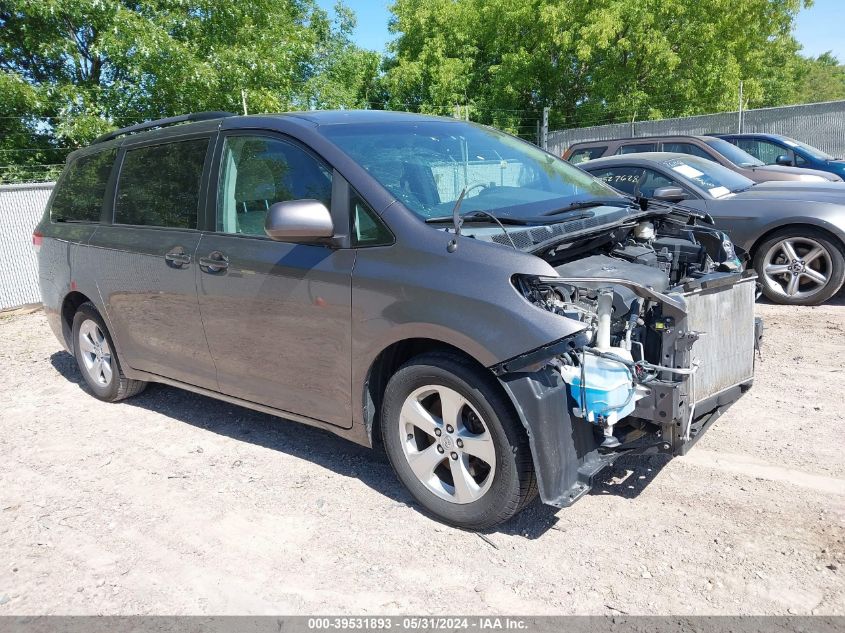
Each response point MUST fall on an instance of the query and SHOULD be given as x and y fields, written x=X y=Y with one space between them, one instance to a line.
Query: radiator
x=725 y=350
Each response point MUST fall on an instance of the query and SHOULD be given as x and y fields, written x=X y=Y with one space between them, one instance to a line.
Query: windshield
x=715 y=179
x=813 y=152
x=733 y=153
x=426 y=165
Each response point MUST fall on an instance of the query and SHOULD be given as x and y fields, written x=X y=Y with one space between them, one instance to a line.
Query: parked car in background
x=793 y=231
x=775 y=149
x=707 y=147
x=497 y=317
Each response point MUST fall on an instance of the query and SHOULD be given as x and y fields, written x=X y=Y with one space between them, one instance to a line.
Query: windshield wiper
x=477 y=216
x=458 y=220
x=587 y=204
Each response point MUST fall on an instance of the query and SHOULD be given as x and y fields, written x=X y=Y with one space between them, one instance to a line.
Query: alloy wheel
x=447 y=444
x=797 y=267
x=96 y=353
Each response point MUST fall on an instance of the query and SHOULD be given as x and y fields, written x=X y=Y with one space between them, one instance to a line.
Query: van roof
x=208 y=121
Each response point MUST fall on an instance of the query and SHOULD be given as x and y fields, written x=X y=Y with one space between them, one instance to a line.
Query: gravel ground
x=179 y=504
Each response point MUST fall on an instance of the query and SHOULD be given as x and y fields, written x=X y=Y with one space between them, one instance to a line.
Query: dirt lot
x=179 y=504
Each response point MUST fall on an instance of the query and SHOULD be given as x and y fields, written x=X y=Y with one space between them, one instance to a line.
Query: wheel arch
x=387 y=362
x=70 y=304
x=799 y=223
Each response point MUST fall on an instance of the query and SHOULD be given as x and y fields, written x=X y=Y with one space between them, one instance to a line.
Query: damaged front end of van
x=666 y=343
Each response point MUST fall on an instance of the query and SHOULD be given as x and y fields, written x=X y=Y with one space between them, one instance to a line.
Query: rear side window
x=635 y=148
x=625 y=179
x=587 y=153
x=79 y=195
x=159 y=185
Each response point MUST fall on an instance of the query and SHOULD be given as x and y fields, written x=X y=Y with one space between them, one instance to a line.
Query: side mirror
x=669 y=194
x=783 y=159
x=299 y=221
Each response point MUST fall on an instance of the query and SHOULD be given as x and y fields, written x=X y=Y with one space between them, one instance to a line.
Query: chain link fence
x=21 y=207
x=821 y=125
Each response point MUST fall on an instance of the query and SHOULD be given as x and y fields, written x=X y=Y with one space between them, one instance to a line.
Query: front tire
x=97 y=359
x=455 y=442
x=800 y=266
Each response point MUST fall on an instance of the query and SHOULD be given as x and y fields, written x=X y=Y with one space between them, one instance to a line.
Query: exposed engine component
x=603 y=387
x=626 y=327
x=606 y=267
x=644 y=231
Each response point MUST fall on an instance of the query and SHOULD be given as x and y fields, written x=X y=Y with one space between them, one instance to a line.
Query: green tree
x=821 y=78
x=341 y=75
x=591 y=62
x=72 y=69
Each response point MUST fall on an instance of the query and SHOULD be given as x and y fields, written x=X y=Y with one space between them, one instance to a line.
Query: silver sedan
x=794 y=231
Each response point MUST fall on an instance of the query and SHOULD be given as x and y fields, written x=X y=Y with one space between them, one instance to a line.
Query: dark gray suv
x=502 y=321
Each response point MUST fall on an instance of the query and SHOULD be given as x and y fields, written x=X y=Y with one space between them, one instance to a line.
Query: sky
x=371 y=32
x=819 y=28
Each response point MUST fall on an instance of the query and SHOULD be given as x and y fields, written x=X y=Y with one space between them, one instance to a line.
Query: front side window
x=587 y=153
x=257 y=172
x=367 y=227
x=625 y=179
x=159 y=185
x=636 y=148
x=762 y=150
x=653 y=180
x=427 y=164
x=79 y=194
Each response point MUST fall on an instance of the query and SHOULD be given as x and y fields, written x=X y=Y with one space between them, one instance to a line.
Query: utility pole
x=545 y=137
x=739 y=130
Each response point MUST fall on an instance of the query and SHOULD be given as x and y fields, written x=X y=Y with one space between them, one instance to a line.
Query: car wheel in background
x=800 y=266
x=97 y=358
x=454 y=440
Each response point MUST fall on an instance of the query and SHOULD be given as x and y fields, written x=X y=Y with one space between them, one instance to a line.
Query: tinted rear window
x=159 y=185
x=79 y=194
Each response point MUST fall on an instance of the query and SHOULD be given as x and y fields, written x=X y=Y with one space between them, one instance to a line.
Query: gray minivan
x=503 y=322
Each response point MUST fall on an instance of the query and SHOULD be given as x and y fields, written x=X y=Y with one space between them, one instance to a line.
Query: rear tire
x=800 y=266
x=454 y=440
x=97 y=359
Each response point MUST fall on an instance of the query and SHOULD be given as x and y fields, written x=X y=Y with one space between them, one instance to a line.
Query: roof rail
x=149 y=125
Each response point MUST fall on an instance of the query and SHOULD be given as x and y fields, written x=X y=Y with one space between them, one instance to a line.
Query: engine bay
x=619 y=287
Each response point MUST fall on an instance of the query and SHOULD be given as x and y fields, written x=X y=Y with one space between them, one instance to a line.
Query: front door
x=277 y=315
x=144 y=262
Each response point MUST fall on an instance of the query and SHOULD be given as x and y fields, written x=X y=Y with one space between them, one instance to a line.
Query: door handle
x=215 y=262
x=177 y=257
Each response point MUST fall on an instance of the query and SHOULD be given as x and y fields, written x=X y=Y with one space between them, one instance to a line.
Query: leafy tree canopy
x=821 y=78
x=72 y=69
x=592 y=62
